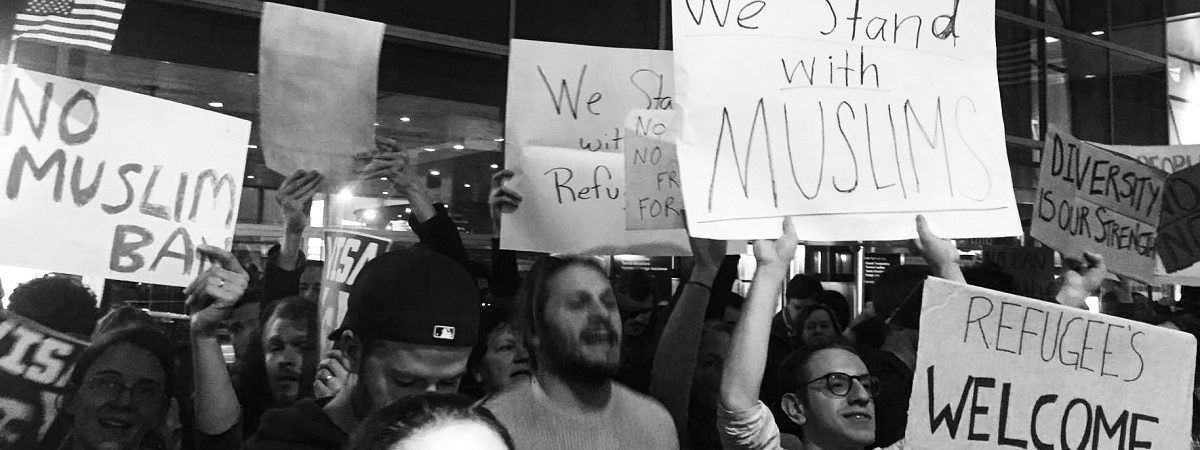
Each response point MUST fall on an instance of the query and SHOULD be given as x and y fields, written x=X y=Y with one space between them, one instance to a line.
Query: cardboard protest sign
x=346 y=252
x=653 y=194
x=318 y=80
x=1178 y=242
x=131 y=184
x=1091 y=199
x=853 y=120
x=1032 y=268
x=997 y=370
x=576 y=98
x=562 y=185
x=1168 y=158
x=35 y=366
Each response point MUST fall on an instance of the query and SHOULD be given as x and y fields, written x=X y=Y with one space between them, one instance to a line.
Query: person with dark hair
x=58 y=302
x=287 y=272
x=802 y=291
x=572 y=326
x=119 y=390
x=282 y=362
x=412 y=318
x=431 y=421
x=499 y=358
x=122 y=317
x=818 y=324
x=837 y=304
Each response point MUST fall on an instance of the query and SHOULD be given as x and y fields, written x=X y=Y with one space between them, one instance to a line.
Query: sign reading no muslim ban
x=35 y=365
x=346 y=252
x=997 y=370
x=1094 y=200
x=852 y=117
x=569 y=103
x=129 y=183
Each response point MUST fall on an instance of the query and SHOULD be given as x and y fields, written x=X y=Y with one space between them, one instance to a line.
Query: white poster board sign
x=318 y=81
x=851 y=120
x=654 y=193
x=1094 y=200
x=574 y=99
x=996 y=370
x=129 y=183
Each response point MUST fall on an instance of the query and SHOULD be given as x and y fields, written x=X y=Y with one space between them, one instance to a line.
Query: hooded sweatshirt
x=301 y=426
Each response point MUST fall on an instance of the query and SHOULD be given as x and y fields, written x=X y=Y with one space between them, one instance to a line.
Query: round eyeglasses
x=112 y=387
x=839 y=384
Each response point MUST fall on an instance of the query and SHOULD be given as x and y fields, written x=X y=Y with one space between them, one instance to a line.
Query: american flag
x=87 y=23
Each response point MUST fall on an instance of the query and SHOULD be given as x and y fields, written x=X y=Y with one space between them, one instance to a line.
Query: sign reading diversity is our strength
x=565 y=134
x=131 y=184
x=850 y=117
x=1005 y=371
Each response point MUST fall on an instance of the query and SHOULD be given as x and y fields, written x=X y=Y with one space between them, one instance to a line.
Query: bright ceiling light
x=216 y=104
x=385 y=192
x=498 y=139
x=1051 y=39
x=1097 y=33
x=495 y=166
x=251 y=146
x=249 y=177
x=467 y=185
x=370 y=214
x=405 y=119
x=429 y=149
x=345 y=195
x=434 y=173
x=459 y=146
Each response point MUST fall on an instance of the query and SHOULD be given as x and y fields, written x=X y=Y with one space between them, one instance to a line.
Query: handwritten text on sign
x=653 y=195
x=1032 y=268
x=35 y=364
x=130 y=183
x=1000 y=370
x=1169 y=158
x=576 y=98
x=1091 y=199
x=843 y=108
x=346 y=253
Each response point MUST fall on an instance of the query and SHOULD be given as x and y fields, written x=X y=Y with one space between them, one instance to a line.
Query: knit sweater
x=630 y=421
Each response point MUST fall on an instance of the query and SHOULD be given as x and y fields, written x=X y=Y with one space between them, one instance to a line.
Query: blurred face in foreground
x=289 y=352
x=391 y=370
x=453 y=435
x=581 y=325
x=121 y=398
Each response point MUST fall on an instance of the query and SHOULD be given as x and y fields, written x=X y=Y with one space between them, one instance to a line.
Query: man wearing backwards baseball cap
x=411 y=320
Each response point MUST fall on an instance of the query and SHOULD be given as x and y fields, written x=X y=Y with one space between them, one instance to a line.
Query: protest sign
x=998 y=370
x=35 y=365
x=131 y=184
x=1168 y=158
x=853 y=120
x=576 y=98
x=346 y=252
x=318 y=79
x=1178 y=244
x=1090 y=199
x=562 y=185
x=1032 y=268
x=653 y=196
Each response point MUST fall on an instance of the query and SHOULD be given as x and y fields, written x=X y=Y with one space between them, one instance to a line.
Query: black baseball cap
x=413 y=295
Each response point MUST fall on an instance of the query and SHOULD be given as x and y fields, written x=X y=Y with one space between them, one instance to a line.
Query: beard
x=569 y=359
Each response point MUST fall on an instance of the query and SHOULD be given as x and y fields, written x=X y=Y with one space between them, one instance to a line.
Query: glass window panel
x=1139 y=101
x=1131 y=12
x=1077 y=89
x=1017 y=64
x=484 y=21
x=1183 y=80
x=248 y=209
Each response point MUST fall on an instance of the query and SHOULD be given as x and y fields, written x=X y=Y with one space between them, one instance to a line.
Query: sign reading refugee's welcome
x=1091 y=199
x=574 y=99
x=850 y=116
x=995 y=370
x=131 y=184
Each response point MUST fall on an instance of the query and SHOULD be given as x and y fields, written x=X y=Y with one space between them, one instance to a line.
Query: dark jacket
x=301 y=426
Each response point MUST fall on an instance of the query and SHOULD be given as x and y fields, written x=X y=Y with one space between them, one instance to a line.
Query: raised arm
x=505 y=279
x=212 y=297
x=747 y=358
x=941 y=254
x=1081 y=279
x=675 y=357
x=294 y=198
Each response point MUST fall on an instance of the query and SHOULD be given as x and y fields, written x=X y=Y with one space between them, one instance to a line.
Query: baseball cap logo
x=443 y=332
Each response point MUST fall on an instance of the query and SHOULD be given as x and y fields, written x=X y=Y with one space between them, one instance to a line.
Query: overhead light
x=376 y=123
x=468 y=185
x=370 y=214
x=405 y=119
x=1051 y=39
x=434 y=173
x=495 y=166
x=458 y=146
x=385 y=192
x=429 y=149
x=251 y=146
x=249 y=177
x=383 y=178
x=408 y=210
x=1089 y=76
x=1097 y=33
x=216 y=104
x=498 y=139
x=345 y=195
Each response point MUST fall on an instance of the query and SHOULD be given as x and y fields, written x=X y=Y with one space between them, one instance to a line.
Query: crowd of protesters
x=558 y=357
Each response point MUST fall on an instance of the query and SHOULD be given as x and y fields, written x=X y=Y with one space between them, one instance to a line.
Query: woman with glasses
x=119 y=391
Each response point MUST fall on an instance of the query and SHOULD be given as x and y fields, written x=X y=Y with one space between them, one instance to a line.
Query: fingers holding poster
x=827 y=109
x=35 y=365
x=653 y=197
x=1091 y=199
x=85 y=165
x=1000 y=370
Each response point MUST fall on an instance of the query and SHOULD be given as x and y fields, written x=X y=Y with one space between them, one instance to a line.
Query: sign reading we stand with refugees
x=851 y=117
x=998 y=370
x=1094 y=200
x=35 y=365
x=131 y=184
x=653 y=196
x=569 y=103
x=346 y=253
